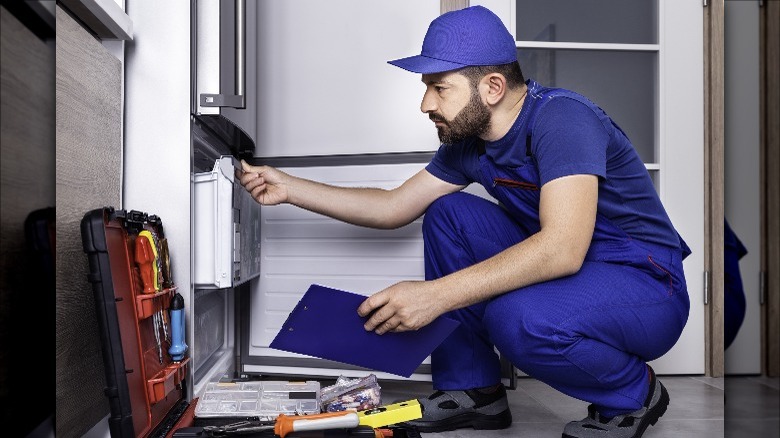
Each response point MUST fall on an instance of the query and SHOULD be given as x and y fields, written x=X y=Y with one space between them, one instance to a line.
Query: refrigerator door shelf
x=227 y=228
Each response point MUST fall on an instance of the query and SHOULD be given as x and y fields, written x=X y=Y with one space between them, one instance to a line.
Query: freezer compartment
x=227 y=228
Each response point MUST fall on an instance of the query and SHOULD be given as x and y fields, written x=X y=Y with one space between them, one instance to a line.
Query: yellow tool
x=146 y=258
x=149 y=263
x=391 y=414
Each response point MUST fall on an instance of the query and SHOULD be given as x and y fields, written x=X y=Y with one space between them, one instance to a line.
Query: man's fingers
x=371 y=303
x=390 y=325
x=377 y=319
x=254 y=182
x=377 y=304
x=248 y=173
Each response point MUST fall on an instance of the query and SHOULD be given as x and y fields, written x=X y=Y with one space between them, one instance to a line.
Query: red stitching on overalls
x=665 y=271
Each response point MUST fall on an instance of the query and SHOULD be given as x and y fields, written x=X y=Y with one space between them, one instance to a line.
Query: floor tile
x=718 y=382
x=692 y=400
x=748 y=398
x=676 y=428
x=752 y=428
x=565 y=408
x=519 y=430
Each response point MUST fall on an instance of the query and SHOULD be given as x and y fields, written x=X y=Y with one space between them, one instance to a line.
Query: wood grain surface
x=713 y=184
x=88 y=175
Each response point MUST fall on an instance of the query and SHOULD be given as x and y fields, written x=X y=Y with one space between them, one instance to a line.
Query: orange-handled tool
x=301 y=423
x=145 y=258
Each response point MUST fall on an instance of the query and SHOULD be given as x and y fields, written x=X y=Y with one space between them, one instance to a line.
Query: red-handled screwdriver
x=145 y=258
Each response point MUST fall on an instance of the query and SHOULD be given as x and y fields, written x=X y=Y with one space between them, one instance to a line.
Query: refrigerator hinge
x=705 y=3
x=762 y=288
x=706 y=287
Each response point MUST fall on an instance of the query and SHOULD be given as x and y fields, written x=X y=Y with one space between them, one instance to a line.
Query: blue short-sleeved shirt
x=570 y=136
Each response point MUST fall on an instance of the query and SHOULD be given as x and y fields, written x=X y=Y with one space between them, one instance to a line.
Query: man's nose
x=428 y=104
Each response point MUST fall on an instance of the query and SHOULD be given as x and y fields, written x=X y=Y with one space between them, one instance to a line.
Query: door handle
x=237 y=100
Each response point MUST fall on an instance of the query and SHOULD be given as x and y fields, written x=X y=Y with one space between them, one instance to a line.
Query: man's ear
x=492 y=88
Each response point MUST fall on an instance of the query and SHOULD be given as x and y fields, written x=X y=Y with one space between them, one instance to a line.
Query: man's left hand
x=404 y=306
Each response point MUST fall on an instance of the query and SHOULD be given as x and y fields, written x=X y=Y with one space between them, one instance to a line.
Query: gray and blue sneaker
x=631 y=425
x=480 y=409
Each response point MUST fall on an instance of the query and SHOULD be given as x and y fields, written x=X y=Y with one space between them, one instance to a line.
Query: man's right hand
x=268 y=186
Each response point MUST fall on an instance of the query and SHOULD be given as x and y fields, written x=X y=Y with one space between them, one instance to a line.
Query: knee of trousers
x=449 y=212
x=525 y=336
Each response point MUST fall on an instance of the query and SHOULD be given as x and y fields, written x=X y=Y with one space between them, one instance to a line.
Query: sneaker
x=480 y=409
x=631 y=425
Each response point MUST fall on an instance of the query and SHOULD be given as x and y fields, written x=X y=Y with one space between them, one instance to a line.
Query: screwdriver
x=178 y=347
x=259 y=429
x=145 y=254
x=160 y=251
x=301 y=423
x=146 y=258
x=167 y=281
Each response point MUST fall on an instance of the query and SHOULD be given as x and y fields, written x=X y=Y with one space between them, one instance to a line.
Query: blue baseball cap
x=467 y=37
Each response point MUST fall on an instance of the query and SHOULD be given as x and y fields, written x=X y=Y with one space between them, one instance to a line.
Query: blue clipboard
x=325 y=324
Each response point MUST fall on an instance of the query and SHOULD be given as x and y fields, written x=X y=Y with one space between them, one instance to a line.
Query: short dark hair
x=512 y=73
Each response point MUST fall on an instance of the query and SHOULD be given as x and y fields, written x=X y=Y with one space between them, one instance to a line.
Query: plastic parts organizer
x=259 y=398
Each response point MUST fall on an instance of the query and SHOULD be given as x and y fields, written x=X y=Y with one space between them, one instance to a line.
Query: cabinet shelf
x=587 y=46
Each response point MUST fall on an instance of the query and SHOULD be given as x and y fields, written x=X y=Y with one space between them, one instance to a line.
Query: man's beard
x=472 y=121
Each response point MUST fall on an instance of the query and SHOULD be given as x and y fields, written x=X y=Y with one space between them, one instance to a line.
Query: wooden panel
x=713 y=176
x=27 y=157
x=453 y=5
x=89 y=160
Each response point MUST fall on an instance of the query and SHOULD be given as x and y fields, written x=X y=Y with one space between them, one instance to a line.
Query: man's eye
x=439 y=89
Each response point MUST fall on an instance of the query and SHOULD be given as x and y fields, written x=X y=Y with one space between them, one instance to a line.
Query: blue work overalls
x=734 y=301
x=588 y=335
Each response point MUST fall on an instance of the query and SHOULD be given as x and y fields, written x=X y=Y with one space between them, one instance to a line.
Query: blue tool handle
x=178 y=346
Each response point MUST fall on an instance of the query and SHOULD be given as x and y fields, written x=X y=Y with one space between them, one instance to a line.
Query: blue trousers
x=588 y=335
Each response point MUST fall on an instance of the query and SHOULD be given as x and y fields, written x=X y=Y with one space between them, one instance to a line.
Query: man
x=575 y=276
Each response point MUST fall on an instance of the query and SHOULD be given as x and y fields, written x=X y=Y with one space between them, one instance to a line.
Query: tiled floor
x=752 y=407
x=696 y=408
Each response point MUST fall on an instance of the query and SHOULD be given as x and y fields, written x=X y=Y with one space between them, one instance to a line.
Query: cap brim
x=425 y=65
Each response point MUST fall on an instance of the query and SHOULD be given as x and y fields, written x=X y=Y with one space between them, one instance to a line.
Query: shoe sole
x=467 y=420
x=650 y=418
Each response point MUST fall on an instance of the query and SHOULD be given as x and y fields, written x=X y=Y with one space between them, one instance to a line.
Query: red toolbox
x=131 y=281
